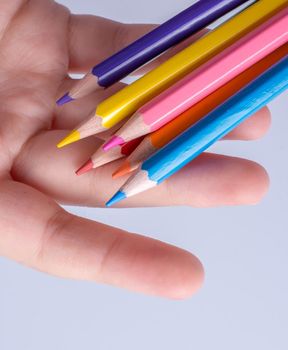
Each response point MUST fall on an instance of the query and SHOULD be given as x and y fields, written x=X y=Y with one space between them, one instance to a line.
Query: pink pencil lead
x=113 y=142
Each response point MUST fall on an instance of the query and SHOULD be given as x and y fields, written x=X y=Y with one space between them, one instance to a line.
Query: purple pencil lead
x=64 y=99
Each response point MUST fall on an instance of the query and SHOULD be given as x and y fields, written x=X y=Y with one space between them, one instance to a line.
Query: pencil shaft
x=208 y=78
x=129 y=147
x=230 y=63
x=180 y=27
x=203 y=134
x=167 y=133
x=217 y=124
x=129 y=99
x=170 y=33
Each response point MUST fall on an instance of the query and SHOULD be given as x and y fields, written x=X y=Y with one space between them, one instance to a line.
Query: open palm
x=40 y=42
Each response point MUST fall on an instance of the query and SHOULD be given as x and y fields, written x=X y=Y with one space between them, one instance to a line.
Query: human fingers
x=210 y=180
x=37 y=232
x=252 y=128
x=93 y=38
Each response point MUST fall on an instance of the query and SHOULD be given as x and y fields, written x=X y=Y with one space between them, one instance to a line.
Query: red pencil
x=100 y=157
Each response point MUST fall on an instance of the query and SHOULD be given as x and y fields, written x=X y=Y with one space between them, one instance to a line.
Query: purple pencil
x=170 y=33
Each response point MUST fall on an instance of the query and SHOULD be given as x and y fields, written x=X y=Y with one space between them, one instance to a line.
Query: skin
x=40 y=42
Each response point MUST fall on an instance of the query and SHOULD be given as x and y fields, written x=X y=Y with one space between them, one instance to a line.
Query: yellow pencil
x=128 y=100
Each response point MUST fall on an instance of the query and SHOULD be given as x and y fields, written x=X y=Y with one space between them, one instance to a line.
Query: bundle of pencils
x=179 y=109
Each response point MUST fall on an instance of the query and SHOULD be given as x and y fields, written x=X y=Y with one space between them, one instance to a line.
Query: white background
x=243 y=304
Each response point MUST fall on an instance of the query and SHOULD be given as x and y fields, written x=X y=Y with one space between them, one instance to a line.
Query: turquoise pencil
x=206 y=132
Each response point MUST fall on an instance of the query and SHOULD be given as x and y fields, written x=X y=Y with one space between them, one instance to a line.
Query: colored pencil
x=205 y=80
x=170 y=33
x=100 y=157
x=206 y=132
x=125 y=102
x=158 y=139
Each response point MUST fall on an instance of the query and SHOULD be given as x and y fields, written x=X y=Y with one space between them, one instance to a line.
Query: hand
x=40 y=42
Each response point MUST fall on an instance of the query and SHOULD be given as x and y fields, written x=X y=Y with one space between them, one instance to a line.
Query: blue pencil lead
x=118 y=196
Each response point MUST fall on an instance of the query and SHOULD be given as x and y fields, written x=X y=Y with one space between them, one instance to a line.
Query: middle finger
x=210 y=180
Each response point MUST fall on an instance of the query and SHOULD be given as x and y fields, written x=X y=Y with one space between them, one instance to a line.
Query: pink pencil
x=205 y=80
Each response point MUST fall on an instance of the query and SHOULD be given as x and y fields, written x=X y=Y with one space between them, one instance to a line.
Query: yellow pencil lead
x=72 y=137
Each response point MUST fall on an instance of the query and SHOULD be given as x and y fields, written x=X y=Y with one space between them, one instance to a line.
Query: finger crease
x=114 y=245
x=54 y=226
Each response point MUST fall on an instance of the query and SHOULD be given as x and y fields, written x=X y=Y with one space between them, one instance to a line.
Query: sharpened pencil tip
x=64 y=99
x=124 y=169
x=119 y=196
x=72 y=137
x=85 y=168
x=113 y=142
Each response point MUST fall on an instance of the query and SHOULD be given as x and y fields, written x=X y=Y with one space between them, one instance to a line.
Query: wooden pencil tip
x=64 y=99
x=113 y=142
x=72 y=137
x=85 y=168
x=124 y=169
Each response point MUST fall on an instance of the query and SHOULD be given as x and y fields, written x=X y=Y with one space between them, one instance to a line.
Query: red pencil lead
x=85 y=168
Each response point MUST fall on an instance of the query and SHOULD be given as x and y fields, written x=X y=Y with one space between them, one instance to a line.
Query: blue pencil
x=141 y=51
x=206 y=132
